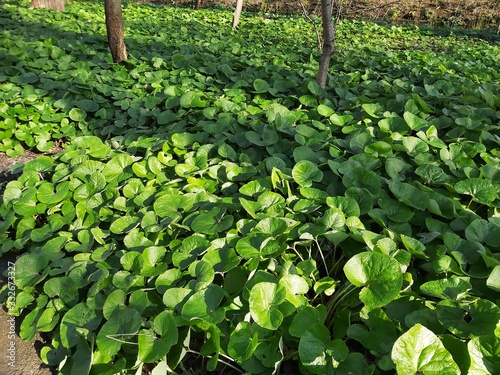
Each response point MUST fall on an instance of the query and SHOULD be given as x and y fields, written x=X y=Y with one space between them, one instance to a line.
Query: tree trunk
x=237 y=13
x=198 y=4
x=114 y=28
x=328 y=42
x=49 y=4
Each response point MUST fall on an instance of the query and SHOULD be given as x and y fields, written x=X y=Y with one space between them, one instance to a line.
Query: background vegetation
x=438 y=13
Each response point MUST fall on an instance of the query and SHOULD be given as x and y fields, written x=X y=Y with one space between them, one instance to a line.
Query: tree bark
x=198 y=4
x=237 y=13
x=114 y=28
x=49 y=4
x=328 y=42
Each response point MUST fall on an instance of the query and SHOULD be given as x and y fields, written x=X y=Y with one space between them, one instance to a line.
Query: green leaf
x=305 y=318
x=379 y=274
x=167 y=205
x=124 y=224
x=203 y=271
x=257 y=244
x=361 y=177
x=48 y=320
x=87 y=105
x=468 y=320
x=175 y=297
x=191 y=247
x=415 y=146
x=63 y=287
x=313 y=346
x=333 y=218
x=415 y=247
x=373 y=109
x=115 y=302
x=255 y=187
x=414 y=122
x=77 y=323
x=30 y=270
x=242 y=342
x=166 y=117
x=484 y=352
x=265 y=299
x=324 y=110
x=305 y=173
x=347 y=205
x=192 y=99
x=212 y=222
x=419 y=351
x=378 y=333
x=167 y=279
x=81 y=361
x=77 y=114
x=267 y=137
x=409 y=195
x=482 y=191
x=121 y=328
x=152 y=347
x=353 y=363
x=204 y=304
x=272 y=225
x=114 y=170
x=493 y=281
x=396 y=168
x=46 y=193
x=454 y=288
x=433 y=174
x=260 y=86
x=295 y=287
x=325 y=285
x=379 y=149
x=28 y=325
x=52 y=356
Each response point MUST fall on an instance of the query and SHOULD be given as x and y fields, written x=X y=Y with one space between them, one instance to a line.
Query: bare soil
x=437 y=13
x=449 y=13
x=17 y=357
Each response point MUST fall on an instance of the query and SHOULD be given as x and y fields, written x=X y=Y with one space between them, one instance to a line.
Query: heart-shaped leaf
x=379 y=274
x=419 y=350
x=305 y=173
x=265 y=299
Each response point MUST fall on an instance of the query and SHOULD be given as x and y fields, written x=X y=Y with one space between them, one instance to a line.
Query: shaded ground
x=9 y=167
x=25 y=359
x=17 y=357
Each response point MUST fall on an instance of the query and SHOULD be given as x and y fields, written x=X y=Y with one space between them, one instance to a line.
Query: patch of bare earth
x=437 y=13
x=450 y=13
x=17 y=357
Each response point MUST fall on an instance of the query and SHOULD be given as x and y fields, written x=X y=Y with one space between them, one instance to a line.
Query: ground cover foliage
x=215 y=209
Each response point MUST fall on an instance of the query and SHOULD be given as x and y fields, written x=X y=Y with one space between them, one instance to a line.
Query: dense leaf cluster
x=213 y=201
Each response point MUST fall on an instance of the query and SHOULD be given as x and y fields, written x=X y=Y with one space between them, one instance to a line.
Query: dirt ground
x=474 y=14
x=17 y=357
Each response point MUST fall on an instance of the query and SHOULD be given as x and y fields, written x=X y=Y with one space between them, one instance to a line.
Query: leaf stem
x=219 y=360
x=470 y=202
x=322 y=258
x=331 y=307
